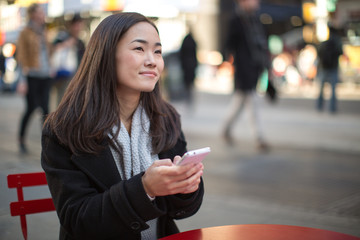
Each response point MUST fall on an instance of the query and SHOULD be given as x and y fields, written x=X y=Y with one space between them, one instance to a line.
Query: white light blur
x=171 y=34
x=153 y=10
x=321 y=20
x=55 y=8
x=292 y=76
x=322 y=31
x=8 y=49
x=279 y=64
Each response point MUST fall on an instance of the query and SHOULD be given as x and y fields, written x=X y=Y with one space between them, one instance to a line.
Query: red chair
x=22 y=208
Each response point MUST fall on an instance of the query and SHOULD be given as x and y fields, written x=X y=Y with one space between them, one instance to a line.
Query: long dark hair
x=90 y=107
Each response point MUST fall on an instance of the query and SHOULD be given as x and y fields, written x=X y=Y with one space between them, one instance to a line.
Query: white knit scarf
x=136 y=154
x=136 y=148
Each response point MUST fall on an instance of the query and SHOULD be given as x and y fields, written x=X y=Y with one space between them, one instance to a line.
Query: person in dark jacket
x=110 y=149
x=2 y=68
x=247 y=44
x=189 y=63
x=329 y=52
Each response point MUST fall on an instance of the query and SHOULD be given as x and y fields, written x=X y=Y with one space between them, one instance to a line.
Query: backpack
x=329 y=53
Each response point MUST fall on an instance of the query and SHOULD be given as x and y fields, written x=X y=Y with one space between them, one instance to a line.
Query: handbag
x=64 y=62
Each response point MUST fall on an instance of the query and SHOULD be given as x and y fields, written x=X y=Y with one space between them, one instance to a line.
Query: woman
x=33 y=51
x=109 y=148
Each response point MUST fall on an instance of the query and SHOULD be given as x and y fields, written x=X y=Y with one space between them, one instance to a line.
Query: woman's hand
x=164 y=177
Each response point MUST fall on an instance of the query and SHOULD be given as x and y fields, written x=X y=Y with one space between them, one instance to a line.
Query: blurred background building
x=294 y=28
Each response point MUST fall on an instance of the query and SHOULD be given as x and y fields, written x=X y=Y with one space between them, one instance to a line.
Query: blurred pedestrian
x=2 y=68
x=247 y=45
x=329 y=53
x=68 y=52
x=110 y=149
x=33 y=52
x=188 y=64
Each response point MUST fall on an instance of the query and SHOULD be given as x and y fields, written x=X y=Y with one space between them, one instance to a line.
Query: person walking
x=68 y=52
x=110 y=149
x=2 y=68
x=247 y=46
x=33 y=51
x=189 y=63
x=329 y=52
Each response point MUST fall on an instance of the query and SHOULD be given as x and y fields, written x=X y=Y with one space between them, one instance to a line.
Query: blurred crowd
x=294 y=65
x=253 y=61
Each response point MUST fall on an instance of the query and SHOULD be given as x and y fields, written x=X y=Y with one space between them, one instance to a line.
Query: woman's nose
x=150 y=60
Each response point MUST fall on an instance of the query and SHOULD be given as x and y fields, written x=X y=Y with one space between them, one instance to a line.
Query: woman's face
x=139 y=61
x=38 y=15
x=249 y=5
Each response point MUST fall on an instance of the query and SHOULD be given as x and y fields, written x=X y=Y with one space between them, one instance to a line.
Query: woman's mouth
x=149 y=73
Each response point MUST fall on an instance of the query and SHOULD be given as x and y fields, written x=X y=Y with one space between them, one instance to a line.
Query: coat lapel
x=100 y=168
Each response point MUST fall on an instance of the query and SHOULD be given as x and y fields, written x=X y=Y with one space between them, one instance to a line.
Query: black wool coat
x=93 y=202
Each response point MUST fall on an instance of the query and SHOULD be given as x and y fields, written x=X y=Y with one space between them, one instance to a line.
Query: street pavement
x=309 y=177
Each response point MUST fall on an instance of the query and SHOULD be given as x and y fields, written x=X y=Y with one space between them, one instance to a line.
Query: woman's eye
x=139 y=48
x=158 y=52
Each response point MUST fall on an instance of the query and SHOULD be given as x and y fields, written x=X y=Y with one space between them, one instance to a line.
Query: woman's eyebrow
x=145 y=42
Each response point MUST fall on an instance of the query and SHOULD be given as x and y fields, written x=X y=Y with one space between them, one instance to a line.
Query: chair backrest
x=23 y=207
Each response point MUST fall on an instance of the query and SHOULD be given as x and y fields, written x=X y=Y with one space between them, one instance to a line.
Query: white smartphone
x=194 y=156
